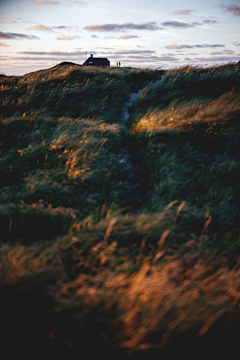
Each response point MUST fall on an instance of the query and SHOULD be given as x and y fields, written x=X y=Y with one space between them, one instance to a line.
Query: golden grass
x=185 y=115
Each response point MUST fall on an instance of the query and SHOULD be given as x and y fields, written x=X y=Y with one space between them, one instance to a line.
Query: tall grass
x=81 y=273
x=188 y=131
x=72 y=91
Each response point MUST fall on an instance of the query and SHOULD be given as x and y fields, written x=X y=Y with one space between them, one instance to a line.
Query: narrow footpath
x=131 y=170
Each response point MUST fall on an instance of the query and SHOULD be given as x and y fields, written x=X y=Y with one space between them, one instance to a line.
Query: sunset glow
x=37 y=34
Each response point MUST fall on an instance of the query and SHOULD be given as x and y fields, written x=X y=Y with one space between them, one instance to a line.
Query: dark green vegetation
x=72 y=91
x=81 y=270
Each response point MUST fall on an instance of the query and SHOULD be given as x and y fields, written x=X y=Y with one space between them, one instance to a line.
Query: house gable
x=92 y=61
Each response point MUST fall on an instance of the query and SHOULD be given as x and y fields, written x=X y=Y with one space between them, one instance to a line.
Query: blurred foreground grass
x=80 y=271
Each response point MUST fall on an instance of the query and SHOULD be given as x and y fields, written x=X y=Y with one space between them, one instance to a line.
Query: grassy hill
x=86 y=269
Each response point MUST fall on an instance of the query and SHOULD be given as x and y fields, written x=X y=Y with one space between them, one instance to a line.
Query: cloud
x=183 y=12
x=49 y=28
x=40 y=27
x=104 y=48
x=160 y=58
x=176 y=46
x=142 y=52
x=3 y=58
x=4 y=45
x=134 y=58
x=151 y=25
x=62 y=27
x=222 y=52
x=80 y=2
x=15 y=36
x=52 y=53
x=11 y=20
x=228 y=51
x=66 y=37
x=209 y=46
x=128 y=36
x=45 y=2
x=47 y=58
x=179 y=24
x=122 y=37
x=215 y=59
x=236 y=43
x=234 y=9
x=179 y=47
x=169 y=54
x=210 y=22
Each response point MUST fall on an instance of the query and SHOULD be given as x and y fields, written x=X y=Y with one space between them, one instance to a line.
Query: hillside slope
x=83 y=269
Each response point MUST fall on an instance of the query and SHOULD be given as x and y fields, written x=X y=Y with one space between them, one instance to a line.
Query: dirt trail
x=131 y=170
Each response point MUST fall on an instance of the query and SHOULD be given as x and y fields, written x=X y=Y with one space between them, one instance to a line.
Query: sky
x=38 y=34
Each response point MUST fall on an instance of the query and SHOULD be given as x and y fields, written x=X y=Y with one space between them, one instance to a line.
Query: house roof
x=97 y=61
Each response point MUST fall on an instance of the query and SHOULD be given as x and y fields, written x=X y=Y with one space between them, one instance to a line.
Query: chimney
x=91 y=55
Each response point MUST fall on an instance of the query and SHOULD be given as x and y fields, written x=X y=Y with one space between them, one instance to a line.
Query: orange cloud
x=66 y=37
x=183 y=12
x=39 y=27
x=128 y=36
x=4 y=45
x=11 y=20
x=45 y=2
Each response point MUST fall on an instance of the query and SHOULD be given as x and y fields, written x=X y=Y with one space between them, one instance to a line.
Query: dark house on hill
x=91 y=61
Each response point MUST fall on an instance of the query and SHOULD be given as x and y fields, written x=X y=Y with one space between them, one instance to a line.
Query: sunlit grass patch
x=151 y=308
x=184 y=115
x=190 y=88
